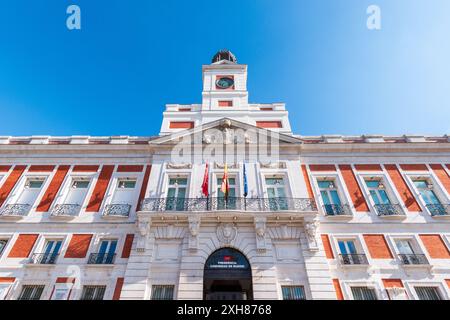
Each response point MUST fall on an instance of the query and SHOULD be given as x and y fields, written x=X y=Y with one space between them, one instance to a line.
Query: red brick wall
x=225 y=103
x=38 y=168
x=368 y=167
x=78 y=246
x=85 y=168
x=130 y=168
x=327 y=246
x=391 y=283
x=269 y=124
x=127 y=246
x=442 y=175
x=23 y=246
x=414 y=167
x=435 y=246
x=307 y=181
x=322 y=167
x=53 y=189
x=338 y=289
x=144 y=186
x=10 y=182
x=402 y=188
x=7 y=279
x=353 y=188
x=378 y=247
x=181 y=125
x=4 y=168
x=100 y=189
x=118 y=289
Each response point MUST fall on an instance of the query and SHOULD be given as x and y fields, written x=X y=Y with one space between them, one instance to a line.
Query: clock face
x=225 y=82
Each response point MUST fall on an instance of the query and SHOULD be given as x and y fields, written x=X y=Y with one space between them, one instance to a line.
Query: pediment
x=226 y=131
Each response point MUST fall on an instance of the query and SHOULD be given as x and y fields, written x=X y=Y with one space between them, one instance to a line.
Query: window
x=407 y=253
x=28 y=195
x=93 y=292
x=330 y=198
x=349 y=254
x=380 y=198
x=277 y=194
x=176 y=194
x=229 y=203
x=364 y=293
x=34 y=183
x=80 y=183
x=106 y=252
x=31 y=292
x=293 y=293
x=162 y=292
x=3 y=243
x=61 y=291
x=50 y=254
x=428 y=293
x=126 y=183
x=377 y=192
x=426 y=190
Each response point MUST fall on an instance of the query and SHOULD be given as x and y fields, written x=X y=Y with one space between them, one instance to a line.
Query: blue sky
x=115 y=75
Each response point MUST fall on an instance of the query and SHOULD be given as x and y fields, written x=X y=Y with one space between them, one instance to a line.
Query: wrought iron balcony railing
x=337 y=209
x=232 y=203
x=16 y=210
x=66 y=210
x=413 y=259
x=350 y=259
x=44 y=258
x=439 y=209
x=117 y=210
x=389 y=210
x=101 y=258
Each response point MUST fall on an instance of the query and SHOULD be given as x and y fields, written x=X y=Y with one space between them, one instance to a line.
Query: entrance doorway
x=227 y=276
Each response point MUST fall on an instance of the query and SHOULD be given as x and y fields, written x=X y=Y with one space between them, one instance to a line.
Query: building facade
x=225 y=203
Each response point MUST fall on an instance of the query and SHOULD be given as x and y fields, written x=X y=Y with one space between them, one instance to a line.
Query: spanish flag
x=225 y=187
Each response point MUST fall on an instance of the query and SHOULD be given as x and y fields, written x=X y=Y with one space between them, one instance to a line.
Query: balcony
x=337 y=210
x=437 y=210
x=15 y=210
x=43 y=258
x=66 y=210
x=117 y=211
x=230 y=204
x=389 y=210
x=353 y=259
x=413 y=259
x=101 y=258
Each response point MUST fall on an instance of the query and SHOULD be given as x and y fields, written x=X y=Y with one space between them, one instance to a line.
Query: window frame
x=389 y=187
x=152 y=291
x=348 y=294
x=20 y=187
x=67 y=186
x=438 y=189
x=82 y=291
x=293 y=286
x=340 y=187
x=32 y=284
x=411 y=288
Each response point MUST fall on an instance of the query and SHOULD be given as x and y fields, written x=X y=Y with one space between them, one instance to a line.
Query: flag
x=205 y=184
x=245 y=182
x=224 y=188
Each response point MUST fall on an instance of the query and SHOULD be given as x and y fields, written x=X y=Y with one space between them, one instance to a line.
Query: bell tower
x=224 y=84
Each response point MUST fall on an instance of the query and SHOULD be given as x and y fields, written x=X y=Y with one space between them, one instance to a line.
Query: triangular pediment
x=226 y=131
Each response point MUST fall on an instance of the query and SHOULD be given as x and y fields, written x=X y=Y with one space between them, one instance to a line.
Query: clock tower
x=225 y=95
x=224 y=84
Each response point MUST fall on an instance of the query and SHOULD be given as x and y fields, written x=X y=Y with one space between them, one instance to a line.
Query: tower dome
x=224 y=54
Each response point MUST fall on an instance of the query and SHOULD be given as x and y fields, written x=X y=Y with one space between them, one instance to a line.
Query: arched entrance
x=227 y=276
